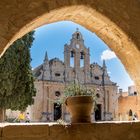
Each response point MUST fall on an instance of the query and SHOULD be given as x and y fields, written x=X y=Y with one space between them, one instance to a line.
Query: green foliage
x=16 y=79
x=77 y=89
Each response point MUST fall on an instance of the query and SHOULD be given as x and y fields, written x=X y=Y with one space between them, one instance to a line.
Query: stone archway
x=115 y=22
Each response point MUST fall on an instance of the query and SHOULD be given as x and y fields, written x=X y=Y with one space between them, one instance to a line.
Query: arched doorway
x=98 y=112
x=57 y=111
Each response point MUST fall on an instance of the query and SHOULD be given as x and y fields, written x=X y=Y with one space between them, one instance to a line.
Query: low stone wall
x=95 y=131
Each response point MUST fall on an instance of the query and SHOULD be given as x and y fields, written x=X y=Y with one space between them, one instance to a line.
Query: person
x=135 y=117
x=21 y=117
x=130 y=115
x=27 y=117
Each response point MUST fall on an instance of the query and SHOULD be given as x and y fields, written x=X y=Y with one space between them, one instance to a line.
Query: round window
x=57 y=93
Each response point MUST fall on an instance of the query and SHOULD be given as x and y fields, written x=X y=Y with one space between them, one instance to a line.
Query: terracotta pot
x=80 y=108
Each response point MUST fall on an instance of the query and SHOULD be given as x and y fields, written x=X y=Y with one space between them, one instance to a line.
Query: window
x=57 y=93
x=135 y=93
x=57 y=74
x=77 y=36
x=96 y=78
x=98 y=95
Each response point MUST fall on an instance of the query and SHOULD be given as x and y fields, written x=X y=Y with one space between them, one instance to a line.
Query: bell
x=82 y=55
x=72 y=54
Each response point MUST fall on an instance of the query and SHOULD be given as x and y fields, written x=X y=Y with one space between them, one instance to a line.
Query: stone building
x=129 y=104
x=53 y=75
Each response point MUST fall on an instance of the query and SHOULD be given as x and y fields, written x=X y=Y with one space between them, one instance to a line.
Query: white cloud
x=109 y=72
x=107 y=55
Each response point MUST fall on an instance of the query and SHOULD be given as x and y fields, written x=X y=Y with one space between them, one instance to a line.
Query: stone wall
x=95 y=131
x=127 y=103
x=115 y=22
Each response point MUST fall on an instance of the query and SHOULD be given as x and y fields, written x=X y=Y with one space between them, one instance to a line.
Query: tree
x=16 y=79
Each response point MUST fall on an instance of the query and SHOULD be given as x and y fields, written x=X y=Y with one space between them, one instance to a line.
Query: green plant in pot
x=80 y=102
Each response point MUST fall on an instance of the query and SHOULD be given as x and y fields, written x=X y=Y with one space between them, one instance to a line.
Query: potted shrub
x=80 y=102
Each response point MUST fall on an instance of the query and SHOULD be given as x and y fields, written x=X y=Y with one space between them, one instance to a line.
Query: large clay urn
x=80 y=108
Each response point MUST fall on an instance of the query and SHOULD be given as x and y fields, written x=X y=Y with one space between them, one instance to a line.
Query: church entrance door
x=98 y=112
x=57 y=111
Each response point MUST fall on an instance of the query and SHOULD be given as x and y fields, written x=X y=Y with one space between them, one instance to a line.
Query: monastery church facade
x=53 y=75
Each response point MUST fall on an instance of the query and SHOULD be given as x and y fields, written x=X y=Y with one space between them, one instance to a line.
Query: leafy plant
x=77 y=89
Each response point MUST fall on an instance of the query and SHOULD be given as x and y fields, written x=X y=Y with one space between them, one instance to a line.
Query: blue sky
x=52 y=37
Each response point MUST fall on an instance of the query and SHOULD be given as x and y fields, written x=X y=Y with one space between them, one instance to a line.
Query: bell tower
x=77 y=58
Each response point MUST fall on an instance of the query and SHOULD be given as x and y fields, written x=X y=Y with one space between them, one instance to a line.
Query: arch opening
x=57 y=74
x=96 y=22
x=108 y=31
x=68 y=52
